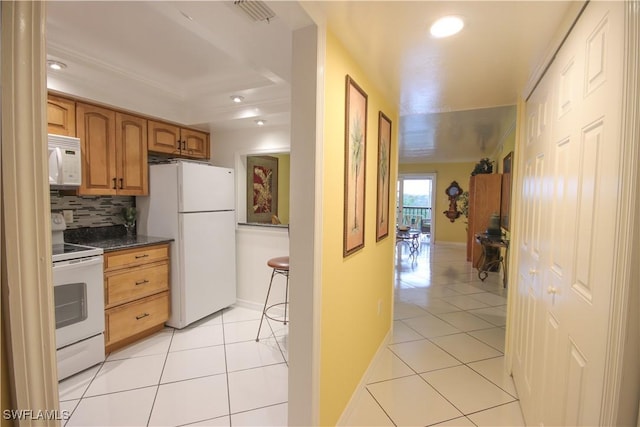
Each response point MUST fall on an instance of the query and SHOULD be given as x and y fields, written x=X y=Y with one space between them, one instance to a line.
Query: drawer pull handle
x=142 y=316
x=142 y=256
x=142 y=282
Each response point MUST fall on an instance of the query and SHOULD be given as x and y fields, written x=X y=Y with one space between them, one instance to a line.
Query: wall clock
x=453 y=191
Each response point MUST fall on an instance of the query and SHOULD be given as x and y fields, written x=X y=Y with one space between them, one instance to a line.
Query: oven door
x=79 y=299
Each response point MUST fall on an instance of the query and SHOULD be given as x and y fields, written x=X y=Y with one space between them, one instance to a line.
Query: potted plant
x=483 y=166
x=129 y=217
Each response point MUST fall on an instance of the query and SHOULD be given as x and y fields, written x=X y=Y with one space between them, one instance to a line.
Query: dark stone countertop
x=111 y=238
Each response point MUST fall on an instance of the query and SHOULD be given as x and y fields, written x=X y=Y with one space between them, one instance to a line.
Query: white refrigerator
x=194 y=203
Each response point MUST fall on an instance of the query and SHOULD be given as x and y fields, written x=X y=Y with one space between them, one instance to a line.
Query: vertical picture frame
x=505 y=200
x=262 y=188
x=384 y=170
x=355 y=136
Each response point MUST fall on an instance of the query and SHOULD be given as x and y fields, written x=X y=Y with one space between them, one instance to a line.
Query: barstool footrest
x=266 y=314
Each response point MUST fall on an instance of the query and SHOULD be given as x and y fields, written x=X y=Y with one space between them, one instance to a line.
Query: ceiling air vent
x=255 y=9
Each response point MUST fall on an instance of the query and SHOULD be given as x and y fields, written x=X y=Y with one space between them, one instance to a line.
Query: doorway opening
x=415 y=203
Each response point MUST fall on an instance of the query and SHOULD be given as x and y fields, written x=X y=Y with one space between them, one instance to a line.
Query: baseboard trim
x=258 y=307
x=361 y=388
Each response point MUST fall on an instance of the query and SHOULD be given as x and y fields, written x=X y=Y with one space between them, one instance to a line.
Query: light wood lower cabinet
x=136 y=293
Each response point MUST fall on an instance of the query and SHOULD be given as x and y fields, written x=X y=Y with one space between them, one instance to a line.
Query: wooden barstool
x=280 y=265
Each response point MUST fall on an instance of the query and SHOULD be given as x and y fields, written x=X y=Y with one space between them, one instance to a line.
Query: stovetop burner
x=69 y=251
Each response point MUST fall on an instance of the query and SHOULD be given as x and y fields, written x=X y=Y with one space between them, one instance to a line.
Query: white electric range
x=79 y=302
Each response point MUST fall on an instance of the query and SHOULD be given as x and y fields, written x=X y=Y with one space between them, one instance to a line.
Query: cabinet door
x=195 y=144
x=61 y=116
x=164 y=138
x=131 y=155
x=96 y=130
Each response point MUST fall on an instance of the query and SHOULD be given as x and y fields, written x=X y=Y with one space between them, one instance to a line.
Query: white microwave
x=65 y=164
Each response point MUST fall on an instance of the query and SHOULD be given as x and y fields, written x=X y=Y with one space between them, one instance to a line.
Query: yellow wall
x=352 y=287
x=283 y=186
x=445 y=230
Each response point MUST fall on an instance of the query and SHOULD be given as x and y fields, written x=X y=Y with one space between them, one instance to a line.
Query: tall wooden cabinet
x=484 y=200
x=114 y=151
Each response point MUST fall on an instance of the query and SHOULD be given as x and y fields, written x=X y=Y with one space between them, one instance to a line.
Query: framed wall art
x=262 y=188
x=354 y=167
x=384 y=169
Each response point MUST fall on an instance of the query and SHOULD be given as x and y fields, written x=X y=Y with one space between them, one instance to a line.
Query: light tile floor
x=443 y=365
x=212 y=373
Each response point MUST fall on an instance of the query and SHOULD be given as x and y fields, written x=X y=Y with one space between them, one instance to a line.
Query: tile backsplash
x=91 y=211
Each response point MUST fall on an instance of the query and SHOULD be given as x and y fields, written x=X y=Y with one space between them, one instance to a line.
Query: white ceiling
x=182 y=61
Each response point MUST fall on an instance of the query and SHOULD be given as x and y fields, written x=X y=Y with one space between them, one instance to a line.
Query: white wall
x=254 y=247
x=226 y=145
x=254 y=244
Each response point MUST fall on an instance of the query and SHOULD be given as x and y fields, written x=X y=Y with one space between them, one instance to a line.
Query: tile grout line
x=166 y=356
x=380 y=405
x=226 y=369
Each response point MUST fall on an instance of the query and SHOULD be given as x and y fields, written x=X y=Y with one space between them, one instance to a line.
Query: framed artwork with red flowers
x=262 y=188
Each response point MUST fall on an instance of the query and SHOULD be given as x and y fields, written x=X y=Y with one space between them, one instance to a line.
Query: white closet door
x=570 y=188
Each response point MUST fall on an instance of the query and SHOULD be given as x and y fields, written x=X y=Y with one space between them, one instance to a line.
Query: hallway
x=443 y=365
x=444 y=362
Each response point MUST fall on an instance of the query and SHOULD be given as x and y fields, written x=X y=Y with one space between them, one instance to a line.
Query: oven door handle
x=77 y=263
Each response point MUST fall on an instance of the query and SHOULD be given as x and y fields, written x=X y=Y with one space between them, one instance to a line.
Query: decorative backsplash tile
x=91 y=211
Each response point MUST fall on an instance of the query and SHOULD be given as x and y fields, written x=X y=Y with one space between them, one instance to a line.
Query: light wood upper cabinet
x=97 y=133
x=61 y=116
x=166 y=138
x=132 y=168
x=114 y=152
x=195 y=143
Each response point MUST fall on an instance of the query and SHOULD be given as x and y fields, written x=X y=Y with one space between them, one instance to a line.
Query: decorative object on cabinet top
x=483 y=166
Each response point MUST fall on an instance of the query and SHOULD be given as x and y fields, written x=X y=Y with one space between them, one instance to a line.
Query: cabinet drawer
x=138 y=256
x=130 y=284
x=130 y=319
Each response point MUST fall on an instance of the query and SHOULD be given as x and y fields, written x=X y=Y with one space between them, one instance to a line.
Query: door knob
x=533 y=271
x=551 y=290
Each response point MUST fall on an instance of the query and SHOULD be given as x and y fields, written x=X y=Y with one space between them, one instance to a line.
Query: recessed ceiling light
x=260 y=122
x=56 y=65
x=447 y=26
x=237 y=98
